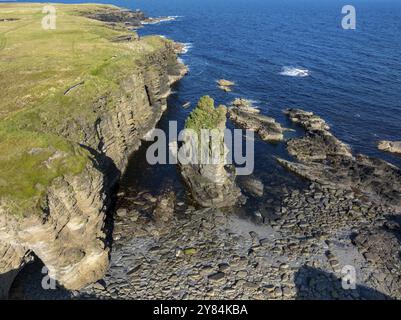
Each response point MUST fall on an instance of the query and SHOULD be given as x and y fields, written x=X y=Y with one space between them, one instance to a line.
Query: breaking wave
x=294 y=72
x=160 y=20
x=187 y=47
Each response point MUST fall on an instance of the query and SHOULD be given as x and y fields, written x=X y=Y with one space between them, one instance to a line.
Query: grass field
x=37 y=67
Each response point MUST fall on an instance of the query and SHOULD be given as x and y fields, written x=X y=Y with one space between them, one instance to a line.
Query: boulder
x=225 y=85
x=126 y=38
x=390 y=146
x=251 y=185
x=164 y=210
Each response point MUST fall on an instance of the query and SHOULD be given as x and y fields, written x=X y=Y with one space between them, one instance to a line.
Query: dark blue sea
x=353 y=76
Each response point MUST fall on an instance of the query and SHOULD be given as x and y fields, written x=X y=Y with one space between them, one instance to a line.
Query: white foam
x=294 y=72
x=253 y=102
x=160 y=20
x=187 y=47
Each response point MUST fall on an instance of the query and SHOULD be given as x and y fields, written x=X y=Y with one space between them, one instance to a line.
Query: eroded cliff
x=65 y=228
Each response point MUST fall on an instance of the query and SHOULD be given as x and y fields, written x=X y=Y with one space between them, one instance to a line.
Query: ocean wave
x=254 y=102
x=160 y=20
x=187 y=47
x=295 y=72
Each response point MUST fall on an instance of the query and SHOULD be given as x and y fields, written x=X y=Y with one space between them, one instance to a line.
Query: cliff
x=71 y=113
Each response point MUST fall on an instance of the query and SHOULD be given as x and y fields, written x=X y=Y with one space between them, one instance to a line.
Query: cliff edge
x=76 y=102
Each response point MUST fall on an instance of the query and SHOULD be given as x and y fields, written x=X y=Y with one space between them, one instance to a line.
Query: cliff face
x=69 y=237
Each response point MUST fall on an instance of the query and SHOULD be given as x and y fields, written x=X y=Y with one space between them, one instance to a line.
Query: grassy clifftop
x=49 y=80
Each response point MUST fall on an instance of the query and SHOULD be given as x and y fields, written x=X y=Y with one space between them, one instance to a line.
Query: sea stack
x=210 y=180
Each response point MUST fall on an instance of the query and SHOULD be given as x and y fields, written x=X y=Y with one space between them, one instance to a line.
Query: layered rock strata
x=69 y=236
x=326 y=160
x=211 y=183
x=243 y=114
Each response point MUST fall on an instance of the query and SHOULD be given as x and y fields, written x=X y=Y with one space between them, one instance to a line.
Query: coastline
x=70 y=236
x=312 y=232
x=293 y=244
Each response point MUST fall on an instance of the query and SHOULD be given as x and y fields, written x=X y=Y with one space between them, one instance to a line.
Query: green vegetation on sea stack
x=39 y=115
x=206 y=116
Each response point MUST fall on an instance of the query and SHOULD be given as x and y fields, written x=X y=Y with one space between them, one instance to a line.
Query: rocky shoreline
x=130 y=19
x=297 y=254
x=292 y=247
x=298 y=250
x=167 y=249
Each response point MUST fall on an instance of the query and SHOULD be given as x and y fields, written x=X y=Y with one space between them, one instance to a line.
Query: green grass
x=205 y=115
x=37 y=120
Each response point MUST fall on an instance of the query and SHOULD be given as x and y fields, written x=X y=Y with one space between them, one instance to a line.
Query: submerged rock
x=226 y=89
x=211 y=182
x=243 y=114
x=390 y=146
x=245 y=105
x=225 y=85
x=157 y=20
x=186 y=105
x=252 y=185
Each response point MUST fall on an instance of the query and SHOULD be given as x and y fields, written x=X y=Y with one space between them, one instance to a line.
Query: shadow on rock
x=315 y=284
x=33 y=283
x=111 y=176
